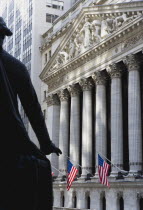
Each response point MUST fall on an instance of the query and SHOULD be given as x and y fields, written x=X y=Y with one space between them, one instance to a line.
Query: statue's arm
x=32 y=108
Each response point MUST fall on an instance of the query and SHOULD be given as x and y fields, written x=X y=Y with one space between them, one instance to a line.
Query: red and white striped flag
x=103 y=169
x=72 y=171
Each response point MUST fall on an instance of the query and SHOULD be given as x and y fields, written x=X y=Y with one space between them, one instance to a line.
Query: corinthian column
x=114 y=71
x=53 y=126
x=64 y=130
x=86 y=85
x=134 y=114
x=100 y=123
x=75 y=123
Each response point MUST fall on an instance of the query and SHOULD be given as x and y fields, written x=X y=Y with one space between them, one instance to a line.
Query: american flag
x=72 y=171
x=103 y=169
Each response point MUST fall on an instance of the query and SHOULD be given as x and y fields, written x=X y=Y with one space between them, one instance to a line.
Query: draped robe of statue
x=23 y=185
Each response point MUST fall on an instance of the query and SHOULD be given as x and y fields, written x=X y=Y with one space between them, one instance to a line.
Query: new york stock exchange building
x=93 y=73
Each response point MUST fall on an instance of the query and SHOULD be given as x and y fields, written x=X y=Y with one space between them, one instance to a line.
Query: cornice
x=98 y=49
x=56 y=36
x=64 y=80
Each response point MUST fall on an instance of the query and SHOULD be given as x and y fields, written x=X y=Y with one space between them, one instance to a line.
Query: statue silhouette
x=25 y=177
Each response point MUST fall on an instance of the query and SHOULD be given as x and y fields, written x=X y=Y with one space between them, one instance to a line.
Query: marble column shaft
x=75 y=123
x=114 y=71
x=100 y=122
x=134 y=114
x=64 y=130
x=53 y=127
x=86 y=85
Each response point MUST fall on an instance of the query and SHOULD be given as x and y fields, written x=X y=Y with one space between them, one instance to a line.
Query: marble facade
x=95 y=90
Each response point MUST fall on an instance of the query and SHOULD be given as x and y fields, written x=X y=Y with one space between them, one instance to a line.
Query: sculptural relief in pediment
x=90 y=31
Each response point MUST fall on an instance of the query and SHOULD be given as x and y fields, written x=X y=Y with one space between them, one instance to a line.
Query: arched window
x=104 y=203
x=62 y=199
x=121 y=204
x=141 y=203
x=88 y=202
x=74 y=201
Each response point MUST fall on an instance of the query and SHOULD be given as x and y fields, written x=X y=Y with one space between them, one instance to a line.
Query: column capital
x=63 y=95
x=74 y=90
x=52 y=100
x=114 y=70
x=131 y=63
x=99 y=78
x=86 y=84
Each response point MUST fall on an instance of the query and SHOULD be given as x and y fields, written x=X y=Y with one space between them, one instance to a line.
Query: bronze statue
x=25 y=172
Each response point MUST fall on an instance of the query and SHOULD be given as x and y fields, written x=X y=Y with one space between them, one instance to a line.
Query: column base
x=132 y=173
x=85 y=177
x=136 y=174
x=114 y=174
x=61 y=178
x=96 y=175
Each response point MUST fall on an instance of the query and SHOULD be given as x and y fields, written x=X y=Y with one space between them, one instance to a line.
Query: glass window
x=45 y=94
x=46 y=57
x=50 y=53
x=44 y=113
x=56 y=4
x=50 y=18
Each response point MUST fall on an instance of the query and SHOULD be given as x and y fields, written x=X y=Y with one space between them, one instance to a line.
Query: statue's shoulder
x=12 y=62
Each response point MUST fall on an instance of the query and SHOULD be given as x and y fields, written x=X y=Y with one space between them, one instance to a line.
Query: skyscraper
x=28 y=20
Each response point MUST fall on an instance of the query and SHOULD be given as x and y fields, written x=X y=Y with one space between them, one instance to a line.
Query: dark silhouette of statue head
x=4 y=31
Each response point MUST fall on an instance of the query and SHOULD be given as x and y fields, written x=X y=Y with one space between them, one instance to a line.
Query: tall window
x=50 y=53
x=45 y=95
x=62 y=199
x=104 y=203
x=88 y=202
x=75 y=202
x=141 y=204
x=44 y=113
x=46 y=58
x=121 y=204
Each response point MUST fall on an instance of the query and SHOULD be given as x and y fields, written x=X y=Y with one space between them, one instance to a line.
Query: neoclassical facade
x=95 y=105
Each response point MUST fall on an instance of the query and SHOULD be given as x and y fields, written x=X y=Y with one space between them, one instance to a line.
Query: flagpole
x=112 y=163
x=58 y=170
x=77 y=164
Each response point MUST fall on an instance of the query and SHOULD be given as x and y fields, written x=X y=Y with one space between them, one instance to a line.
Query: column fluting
x=86 y=85
x=75 y=123
x=114 y=71
x=64 y=130
x=100 y=120
x=53 y=122
x=134 y=114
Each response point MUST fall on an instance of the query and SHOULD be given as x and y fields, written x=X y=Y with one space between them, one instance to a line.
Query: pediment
x=91 y=27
